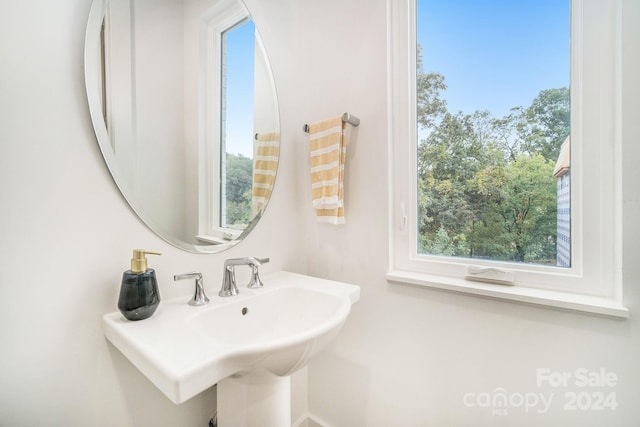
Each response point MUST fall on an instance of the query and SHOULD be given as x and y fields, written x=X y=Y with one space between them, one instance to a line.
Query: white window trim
x=224 y=14
x=594 y=282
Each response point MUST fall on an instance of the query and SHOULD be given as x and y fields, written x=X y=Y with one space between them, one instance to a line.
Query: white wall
x=144 y=52
x=406 y=356
x=66 y=236
x=159 y=113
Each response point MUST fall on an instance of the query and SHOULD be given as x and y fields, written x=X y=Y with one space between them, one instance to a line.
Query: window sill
x=212 y=240
x=541 y=297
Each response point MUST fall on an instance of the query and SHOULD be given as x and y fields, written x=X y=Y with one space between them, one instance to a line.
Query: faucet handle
x=256 y=282
x=229 y=287
x=199 y=297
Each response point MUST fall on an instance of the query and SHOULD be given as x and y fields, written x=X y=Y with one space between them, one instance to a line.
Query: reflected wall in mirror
x=184 y=108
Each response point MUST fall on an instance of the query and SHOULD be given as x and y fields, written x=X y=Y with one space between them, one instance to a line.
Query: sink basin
x=184 y=350
x=277 y=317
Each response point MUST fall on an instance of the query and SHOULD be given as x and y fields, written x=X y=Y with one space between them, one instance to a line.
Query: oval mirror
x=184 y=108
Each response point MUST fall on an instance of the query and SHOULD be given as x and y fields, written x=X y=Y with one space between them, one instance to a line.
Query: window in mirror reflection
x=237 y=124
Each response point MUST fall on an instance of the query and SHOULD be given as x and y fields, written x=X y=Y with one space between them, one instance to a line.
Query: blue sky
x=495 y=54
x=240 y=71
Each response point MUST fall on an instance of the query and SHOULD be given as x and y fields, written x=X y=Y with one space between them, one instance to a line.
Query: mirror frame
x=93 y=90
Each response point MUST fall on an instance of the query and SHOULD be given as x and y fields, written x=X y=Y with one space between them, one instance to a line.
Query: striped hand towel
x=266 y=152
x=328 y=141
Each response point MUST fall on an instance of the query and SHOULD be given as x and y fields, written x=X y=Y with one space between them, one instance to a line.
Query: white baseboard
x=309 y=420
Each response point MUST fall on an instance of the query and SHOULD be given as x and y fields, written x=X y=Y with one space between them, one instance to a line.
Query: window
x=493 y=108
x=238 y=123
x=236 y=126
x=495 y=193
x=228 y=41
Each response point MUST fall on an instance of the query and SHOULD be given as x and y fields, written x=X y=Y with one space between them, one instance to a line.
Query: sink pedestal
x=256 y=399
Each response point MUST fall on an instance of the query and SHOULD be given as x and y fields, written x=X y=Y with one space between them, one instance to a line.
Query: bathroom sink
x=274 y=317
x=184 y=350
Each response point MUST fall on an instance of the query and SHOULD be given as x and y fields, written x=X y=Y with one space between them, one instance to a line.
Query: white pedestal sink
x=258 y=399
x=248 y=344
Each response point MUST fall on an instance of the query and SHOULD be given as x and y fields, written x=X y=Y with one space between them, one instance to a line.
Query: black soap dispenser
x=139 y=296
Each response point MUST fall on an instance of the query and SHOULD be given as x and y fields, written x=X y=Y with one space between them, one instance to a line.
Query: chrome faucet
x=229 y=287
x=199 y=297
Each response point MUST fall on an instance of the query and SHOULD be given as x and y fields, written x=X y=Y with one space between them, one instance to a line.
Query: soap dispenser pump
x=139 y=296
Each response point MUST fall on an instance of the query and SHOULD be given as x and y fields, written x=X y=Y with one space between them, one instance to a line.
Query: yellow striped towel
x=328 y=141
x=266 y=152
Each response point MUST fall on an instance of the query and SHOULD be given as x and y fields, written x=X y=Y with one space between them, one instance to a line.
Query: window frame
x=593 y=282
x=222 y=16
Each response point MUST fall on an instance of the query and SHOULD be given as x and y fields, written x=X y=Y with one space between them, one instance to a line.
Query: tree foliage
x=239 y=180
x=430 y=105
x=485 y=185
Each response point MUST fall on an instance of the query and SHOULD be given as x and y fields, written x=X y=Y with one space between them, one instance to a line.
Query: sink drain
x=245 y=310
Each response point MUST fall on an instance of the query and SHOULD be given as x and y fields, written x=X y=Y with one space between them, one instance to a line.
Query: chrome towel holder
x=346 y=118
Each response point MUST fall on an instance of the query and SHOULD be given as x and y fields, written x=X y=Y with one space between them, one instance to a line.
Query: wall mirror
x=184 y=108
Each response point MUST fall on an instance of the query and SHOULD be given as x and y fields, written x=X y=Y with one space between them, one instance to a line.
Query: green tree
x=545 y=124
x=485 y=184
x=239 y=180
x=508 y=132
x=430 y=105
x=520 y=216
x=446 y=160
